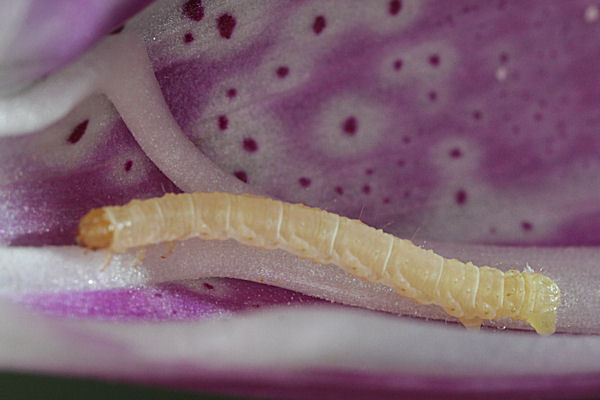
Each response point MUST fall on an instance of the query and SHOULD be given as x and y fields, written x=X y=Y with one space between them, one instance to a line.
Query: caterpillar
x=469 y=293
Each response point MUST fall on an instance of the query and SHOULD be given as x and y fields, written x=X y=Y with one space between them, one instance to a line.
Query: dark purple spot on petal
x=250 y=145
x=193 y=10
x=398 y=64
x=282 y=71
x=477 y=115
x=78 y=132
x=433 y=95
x=406 y=139
x=350 y=126
x=538 y=116
x=231 y=93
x=158 y=295
x=460 y=197
x=118 y=30
x=406 y=194
x=386 y=200
x=455 y=153
x=339 y=190
x=319 y=24
x=401 y=163
x=208 y=286
x=241 y=175
x=226 y=24
x=526 y=226
x=434 y=60
x=128 y=165
x=223 y=122
x=304 y=182
x=503 y=58
x=369 y=171
x=395 y=6
x=366 y=189
x=188 y=37
x=493 y=230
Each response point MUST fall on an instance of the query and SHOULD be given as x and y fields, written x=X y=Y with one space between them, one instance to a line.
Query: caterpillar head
x=540 y=310
x=95 y=230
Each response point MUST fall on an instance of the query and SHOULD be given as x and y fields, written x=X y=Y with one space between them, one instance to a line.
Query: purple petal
x=51 y=34
x=355 y=349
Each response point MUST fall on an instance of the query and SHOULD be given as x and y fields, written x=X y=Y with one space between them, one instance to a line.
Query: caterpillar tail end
x=95 y=231
x=545 y=300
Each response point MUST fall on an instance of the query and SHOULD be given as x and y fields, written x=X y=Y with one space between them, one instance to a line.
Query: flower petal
x=40 y=37
x=450 y=121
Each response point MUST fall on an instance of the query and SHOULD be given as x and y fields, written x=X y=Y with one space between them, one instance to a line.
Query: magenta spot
x=158 y=295
x=319 y=24
x=339 y=190
x=350 y=126
x=526 y=226
x=193 y=10
x=369 y=171
x=434 y=60
x=188 y=37
x=208 y=286
x=455 y=153
x=304 y=182
x=241 y=175
x=366 y=189
x=406 y=139
x=250 y=145
x=460 y=197
x=282 y=71
x=433 y=95
x=538 y=116
x=386 y=200
x=223 y=122
x=78 y=132
x=117 y=30
x=398 y=64
x=226 y=24
x=401 y=163
x=128 y=165
x=231 y=93
x=406 y=194
x=394 y=7
x=503 y=58
x=477 y=115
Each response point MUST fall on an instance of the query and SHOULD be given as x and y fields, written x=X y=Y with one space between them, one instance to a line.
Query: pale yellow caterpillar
x=464 y=291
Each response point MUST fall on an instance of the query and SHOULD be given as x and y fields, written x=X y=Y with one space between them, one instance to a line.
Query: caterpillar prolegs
x=464 y=291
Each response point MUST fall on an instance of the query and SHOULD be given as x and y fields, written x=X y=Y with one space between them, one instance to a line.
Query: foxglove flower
x=468 y=127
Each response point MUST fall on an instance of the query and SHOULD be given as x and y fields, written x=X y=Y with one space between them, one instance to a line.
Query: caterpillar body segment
x=464 y=291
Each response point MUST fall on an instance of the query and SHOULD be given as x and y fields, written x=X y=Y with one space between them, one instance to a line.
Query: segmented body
x=464 y=291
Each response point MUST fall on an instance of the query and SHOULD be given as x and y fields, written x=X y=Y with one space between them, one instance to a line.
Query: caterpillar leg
x=170 y=246
x=107 y=261
x=140 y=254
x=544 y=323
x=472 y=324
